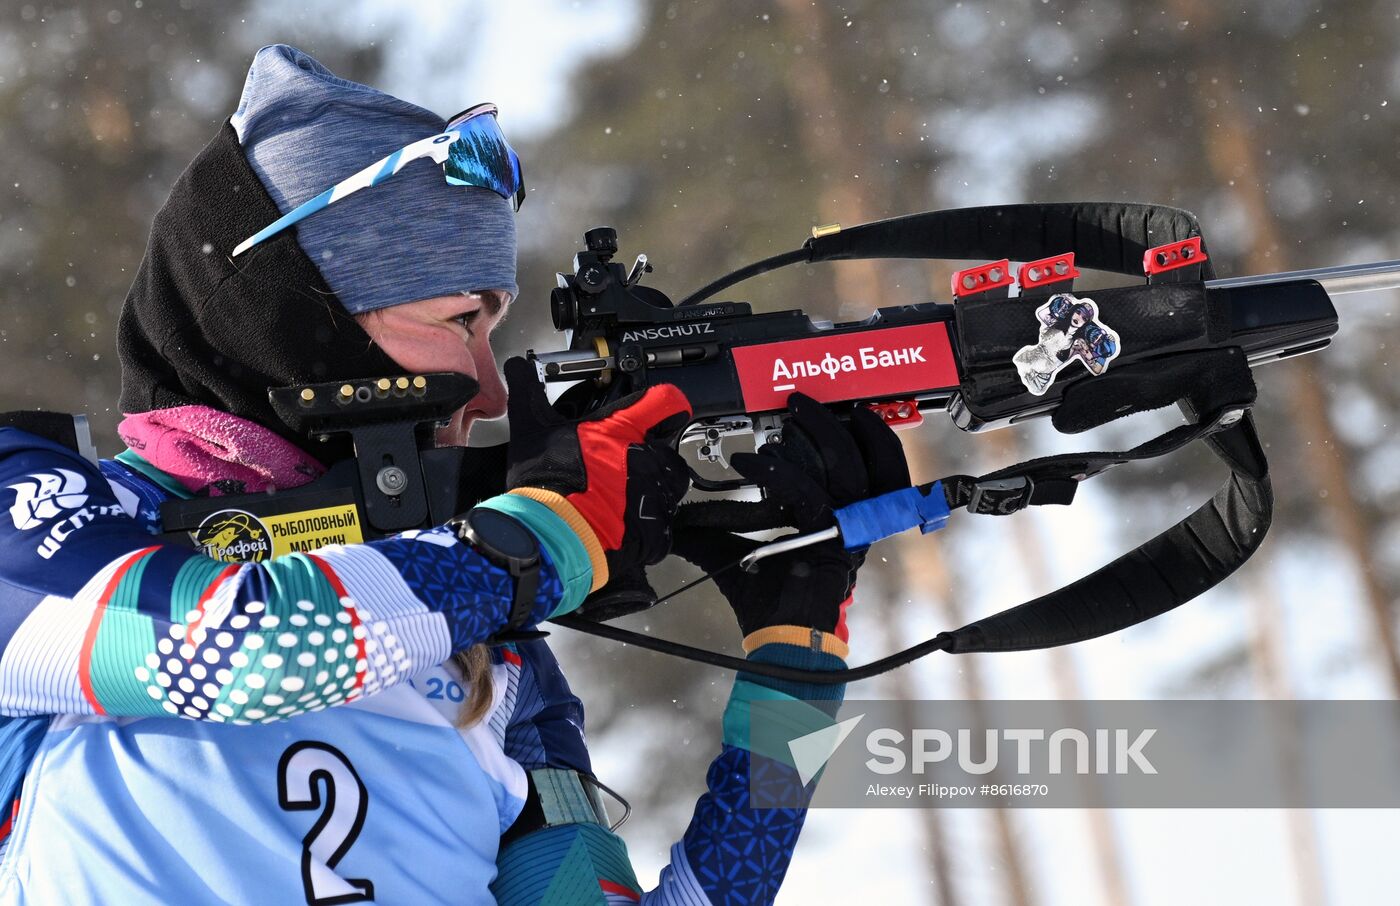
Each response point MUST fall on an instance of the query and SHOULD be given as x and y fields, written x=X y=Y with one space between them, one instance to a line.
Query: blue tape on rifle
x=868 y=521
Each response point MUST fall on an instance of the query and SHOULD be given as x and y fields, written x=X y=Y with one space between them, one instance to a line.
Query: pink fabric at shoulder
x=213 y=452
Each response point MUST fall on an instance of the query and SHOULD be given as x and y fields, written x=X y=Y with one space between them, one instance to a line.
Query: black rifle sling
x=1192 y=556
x=1106 y=236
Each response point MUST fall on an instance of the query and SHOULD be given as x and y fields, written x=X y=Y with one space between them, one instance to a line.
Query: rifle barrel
x=1345 y=278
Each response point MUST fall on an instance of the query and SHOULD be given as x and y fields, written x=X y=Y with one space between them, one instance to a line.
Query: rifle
x=736 y=366
x=1177 y=335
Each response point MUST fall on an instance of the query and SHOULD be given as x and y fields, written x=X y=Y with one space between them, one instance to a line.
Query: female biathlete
x=330 y=726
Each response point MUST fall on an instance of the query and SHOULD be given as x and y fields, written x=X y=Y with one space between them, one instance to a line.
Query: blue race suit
x=178 y=729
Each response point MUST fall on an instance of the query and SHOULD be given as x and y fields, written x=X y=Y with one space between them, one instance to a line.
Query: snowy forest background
x=711 y=134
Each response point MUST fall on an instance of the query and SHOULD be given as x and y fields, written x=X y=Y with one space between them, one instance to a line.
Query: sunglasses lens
x=481 y=157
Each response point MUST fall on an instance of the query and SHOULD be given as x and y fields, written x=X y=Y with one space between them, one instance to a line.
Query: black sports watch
x=507 y=543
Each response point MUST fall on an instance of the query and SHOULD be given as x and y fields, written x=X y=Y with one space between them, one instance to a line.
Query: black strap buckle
x=1001 y=496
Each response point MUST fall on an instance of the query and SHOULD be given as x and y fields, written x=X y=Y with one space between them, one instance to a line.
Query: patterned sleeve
x=97 y=619
x=545 y=728
x=734 y=852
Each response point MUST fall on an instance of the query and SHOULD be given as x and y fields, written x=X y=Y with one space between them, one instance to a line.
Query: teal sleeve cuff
x=804 y=658
x=561 y=544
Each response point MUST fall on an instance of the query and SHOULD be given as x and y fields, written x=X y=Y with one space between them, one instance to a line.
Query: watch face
x=503 y=534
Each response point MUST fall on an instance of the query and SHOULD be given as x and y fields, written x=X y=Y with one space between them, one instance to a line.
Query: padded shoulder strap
x=1104 y=235
x=1107 y=236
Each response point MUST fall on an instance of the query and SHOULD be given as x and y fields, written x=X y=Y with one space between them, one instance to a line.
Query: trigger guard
x=715 y=485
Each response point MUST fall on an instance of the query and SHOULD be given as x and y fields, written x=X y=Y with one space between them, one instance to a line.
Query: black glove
x=617 y=466
x=819 y=465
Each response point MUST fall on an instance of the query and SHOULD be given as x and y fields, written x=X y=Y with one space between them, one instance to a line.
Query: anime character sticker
x=1069 y=329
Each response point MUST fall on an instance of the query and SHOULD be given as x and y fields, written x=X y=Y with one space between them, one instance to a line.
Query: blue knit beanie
x=303 y=129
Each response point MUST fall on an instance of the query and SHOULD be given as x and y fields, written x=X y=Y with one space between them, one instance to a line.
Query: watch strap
x=527 y=582
x=525 y=574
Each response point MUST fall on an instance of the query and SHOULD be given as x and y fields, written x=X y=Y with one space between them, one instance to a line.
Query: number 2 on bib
x=306 y=769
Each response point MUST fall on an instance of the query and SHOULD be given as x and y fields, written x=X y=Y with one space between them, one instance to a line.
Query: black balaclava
x=200 y=328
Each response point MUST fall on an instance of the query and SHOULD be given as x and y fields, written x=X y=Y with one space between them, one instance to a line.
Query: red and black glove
x=616 y=468
x=820 y=464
